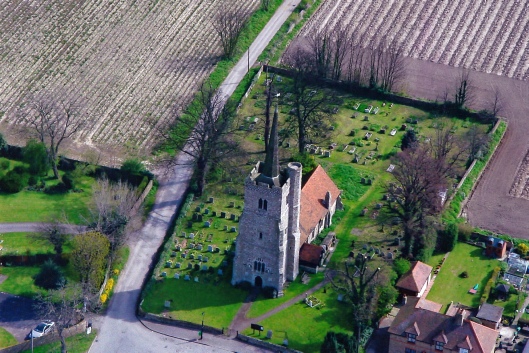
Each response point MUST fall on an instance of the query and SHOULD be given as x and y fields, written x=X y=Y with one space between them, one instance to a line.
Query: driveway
x=17 y=315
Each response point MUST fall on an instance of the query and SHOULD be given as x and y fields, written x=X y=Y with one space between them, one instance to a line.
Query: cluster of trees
x=423 y=171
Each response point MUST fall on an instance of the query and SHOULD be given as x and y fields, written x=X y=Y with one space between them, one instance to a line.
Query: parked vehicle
x=42 y=329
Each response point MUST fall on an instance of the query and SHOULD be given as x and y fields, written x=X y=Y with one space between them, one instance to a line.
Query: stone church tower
x=267 y=248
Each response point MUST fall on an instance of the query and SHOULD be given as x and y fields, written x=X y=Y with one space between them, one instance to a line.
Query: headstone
x=363 y=180
x=197 y=267
x=206 y=211
x=204 y=267
x=369 y=181
x=285 y=342
x=340 y=297
x=164 y=274
x=232 y=204
x=378 y=206
x=224 y=263
x=225 y=227
x=214 y=213
x=205 y=259
x=210 y=248
x=191 y=235
x=364 y=247
x=211 y=200
x=197 y=209
x=269 y=334
x=184 y=255
x=207 y=224
x=200 y=217
x=196 y=279
x=199 y=257
x=223 y=214
x=186 y=278
x=390 y=256
x=403 y=127
x=377 y=251
x=199 y=247
x=326 y=153
x=364 y=211
x=191 y=256
x=233 y=229
x=189 y=266
x=176 y=276
x=219 y=272
x=173 y=254
x=233 y=217
x=184 y=234
x=167 y=304
x=178 y=248
x=195 y=217
x=177 y=265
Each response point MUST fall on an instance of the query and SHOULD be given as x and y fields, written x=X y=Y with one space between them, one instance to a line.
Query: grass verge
x=6 y=339
x=76 y=344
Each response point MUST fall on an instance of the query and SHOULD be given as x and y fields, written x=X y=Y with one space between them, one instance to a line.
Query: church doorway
x=258 y=282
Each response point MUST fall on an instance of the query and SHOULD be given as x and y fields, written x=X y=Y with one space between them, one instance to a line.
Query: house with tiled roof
x=281 y=217
x=416 y=280
x=490 y=315
x=417 y=329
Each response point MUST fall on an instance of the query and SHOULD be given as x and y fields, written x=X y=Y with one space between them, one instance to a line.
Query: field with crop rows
x=488 y=36
x=131 y=60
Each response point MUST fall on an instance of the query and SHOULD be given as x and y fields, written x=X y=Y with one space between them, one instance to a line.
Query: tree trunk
x=63 y=342
x=201 y=176
x=301 y=138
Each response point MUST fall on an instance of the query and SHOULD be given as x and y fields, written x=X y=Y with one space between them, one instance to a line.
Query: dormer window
x=263 y=204
x=439 y=346
x=412 y=338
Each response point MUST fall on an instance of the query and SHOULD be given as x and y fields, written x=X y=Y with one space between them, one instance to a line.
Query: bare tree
x=464 y=93
x=53 y=232
x=229 y=24
x=310 y=116
x=392 y=70
x=204 y=131
x=477 y=142
x=496 y=103
x=356 y=62
x=320 y=44
x=339 y=51
x=414 y=194
x=112 y=211
x=62 y=307
x=447 y=149
x=54 y=118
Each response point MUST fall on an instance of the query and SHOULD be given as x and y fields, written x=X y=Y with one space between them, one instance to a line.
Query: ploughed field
x=131 y=61
x=488 y=36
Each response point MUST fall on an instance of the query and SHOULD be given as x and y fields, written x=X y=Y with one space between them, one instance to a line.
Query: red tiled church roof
x=313 y=207
x=415 y=278
x=310 y=254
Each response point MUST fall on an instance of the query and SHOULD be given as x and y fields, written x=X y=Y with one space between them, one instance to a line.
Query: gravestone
x=385 y=197
x=167 y=304
x=189 y=266
x=200 y=217
x=364 y=247
x=233 y=229
x=214 y=213
x=191 y=235
x=204 y=267
x=205 y=259
x=199 y=247
x=164 y=274
x=364 y=211
x=269 y=334
x=207 y=224
x=287 y=144
x=219 y=272
x=225 y=227
x=196 y=279
x=382 y=254
x=216 y=249
x=233 y=217
x=224 y=263
x=211 y=200
x=184 y=234
x=178 y=248
x=389 y=256
x=197 y=267
x=210 y=237
x=363 y=180
x=206 y=211
x=186 y=278
x=210 y=248
x=377 y=251
x=177 y=265
x=326 y=153
x=223 y=214
x=197 y=209
x=378 y=206
x=191 y=256
x=232 y=204
x=403 y=127
x=199 y=257
x=173 y=254
x=184 y=255
x=191 y=246
x=340 y=297
x=176 y=276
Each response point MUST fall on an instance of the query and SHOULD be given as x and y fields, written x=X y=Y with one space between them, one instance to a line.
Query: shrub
x=33 y=180
x=35 y=154
x=4 y=164
x=270 y=292
x=110 y=285
x=68 y=181
x=463 y=274
x=522 y=248
x=465 y=230
x=13 y=181
x=116 y=272
x=448 y=237
x=401 y=266
x=50 y=276
x=103 y=298
x=132 y=166
x=59 y=188
x=490 y=283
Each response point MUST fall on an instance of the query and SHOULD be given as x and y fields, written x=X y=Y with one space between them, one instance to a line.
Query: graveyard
x=356 y=151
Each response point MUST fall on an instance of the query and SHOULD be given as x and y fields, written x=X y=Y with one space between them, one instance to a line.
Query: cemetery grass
x=219 y=301
x=79 y=343
x=263 y=305
x=6 y=339
x=306 y=327
x=468 y=258
x=28 y=244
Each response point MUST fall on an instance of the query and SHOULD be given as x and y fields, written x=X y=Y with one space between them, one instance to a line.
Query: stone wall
x=266 y=345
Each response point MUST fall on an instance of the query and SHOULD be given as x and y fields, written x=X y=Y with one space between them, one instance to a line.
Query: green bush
x=489 y=285
x=4 y=164
x=465 y=230
x=35 y=154
x=448 y=237
x=14 y=181
x=50 y=276
x=133 y=166
x=401 y=266
x=68 y=181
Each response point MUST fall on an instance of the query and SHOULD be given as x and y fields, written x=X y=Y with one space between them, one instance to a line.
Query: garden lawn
x=263 y=305
x=306 y=327
x=449 y=286
x=6 y=339
x=76 y=344
x=20 y=280
x=27 y=244
x=189 y=300
x=509 y=305
x=34 y=206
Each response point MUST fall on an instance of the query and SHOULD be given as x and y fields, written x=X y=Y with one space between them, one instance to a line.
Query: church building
x=280 y=219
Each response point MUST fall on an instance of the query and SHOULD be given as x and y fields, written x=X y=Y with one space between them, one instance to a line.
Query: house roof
x=415 y=278
x=490 y=312
x=504 y=288
x=313 y=207
x=433 y=326
x=428 y=305
x=310 y=254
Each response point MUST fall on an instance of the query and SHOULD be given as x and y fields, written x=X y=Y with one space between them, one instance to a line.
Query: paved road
x=120 y=330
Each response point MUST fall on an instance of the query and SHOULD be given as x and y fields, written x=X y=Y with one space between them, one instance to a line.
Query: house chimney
x=458 y=318
x=404 y=299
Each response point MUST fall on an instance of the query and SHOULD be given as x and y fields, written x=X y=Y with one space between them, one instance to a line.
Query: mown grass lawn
x=20 y=280
x=75 y=344
x=306 y=327
x=220 y=302
x=25 y=243
x=449 y=286
x=6 y=339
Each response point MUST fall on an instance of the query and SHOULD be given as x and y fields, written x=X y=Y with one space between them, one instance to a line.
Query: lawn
x=467 y=258
x=27 y=244
x=6 y=339
x=263 y=305
x=20 y=280
x=76 y=344
x=305 y=327
x=509 y=306
x=218 y=300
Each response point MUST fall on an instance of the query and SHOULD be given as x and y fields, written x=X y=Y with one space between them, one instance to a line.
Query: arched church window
x=255 y=265
x=260 y=235
x=260 y=204
x=263 y=267
x=265 y=205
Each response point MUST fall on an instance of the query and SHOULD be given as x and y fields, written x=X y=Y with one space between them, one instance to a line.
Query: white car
x=42 y=329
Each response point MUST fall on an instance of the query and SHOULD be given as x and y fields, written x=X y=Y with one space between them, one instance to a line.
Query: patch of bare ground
x=130 y=61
